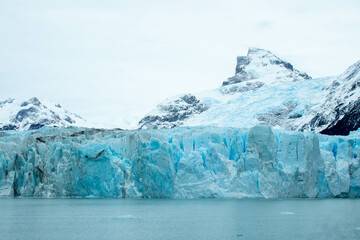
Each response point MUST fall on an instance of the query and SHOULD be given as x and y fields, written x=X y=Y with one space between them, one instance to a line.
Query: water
x=178 y=219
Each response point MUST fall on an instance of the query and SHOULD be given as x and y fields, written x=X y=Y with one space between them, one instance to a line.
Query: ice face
x=178 y=163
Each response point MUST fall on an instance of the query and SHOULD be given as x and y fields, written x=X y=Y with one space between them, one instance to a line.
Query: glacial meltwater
x=179 y=219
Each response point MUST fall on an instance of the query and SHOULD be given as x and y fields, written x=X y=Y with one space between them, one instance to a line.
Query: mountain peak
x=34 y=101
x=261 y=63
x=252 y=51
x=32 y=114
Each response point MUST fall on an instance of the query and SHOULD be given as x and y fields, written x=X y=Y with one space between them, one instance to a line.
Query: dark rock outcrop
x=173 y=113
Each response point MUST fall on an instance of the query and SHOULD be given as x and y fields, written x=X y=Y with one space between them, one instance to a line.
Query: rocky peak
x=33 y=101
x=262 y=63
x=9 y=100
x=32 y=114
x=172 y=112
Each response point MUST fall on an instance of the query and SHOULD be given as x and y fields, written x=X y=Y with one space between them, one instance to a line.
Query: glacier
x=197 y=162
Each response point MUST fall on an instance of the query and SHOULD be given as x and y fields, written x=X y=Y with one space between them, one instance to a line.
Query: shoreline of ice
x=180 y=163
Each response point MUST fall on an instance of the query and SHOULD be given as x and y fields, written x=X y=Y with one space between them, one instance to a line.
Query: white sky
x=112 y=61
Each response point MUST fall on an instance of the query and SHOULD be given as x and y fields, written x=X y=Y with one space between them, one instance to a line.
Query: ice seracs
x=178 y=163
x=33 y=114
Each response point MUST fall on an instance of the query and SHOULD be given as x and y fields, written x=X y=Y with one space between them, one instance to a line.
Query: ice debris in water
x=178 y=163
x=287 y=213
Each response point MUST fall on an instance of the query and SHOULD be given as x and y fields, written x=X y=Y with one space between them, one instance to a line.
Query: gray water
x=178 y=219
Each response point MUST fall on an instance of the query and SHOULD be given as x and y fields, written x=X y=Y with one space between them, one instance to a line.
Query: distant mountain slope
x=340 y=111
x=32 y=114
x=268 y=91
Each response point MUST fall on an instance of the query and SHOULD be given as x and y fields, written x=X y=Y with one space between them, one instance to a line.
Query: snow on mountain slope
x=32 y=114
x=340 y=112
x=269 y=91
x=284 y=105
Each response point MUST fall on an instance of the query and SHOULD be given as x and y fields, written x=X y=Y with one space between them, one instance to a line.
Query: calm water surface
x=179 y=219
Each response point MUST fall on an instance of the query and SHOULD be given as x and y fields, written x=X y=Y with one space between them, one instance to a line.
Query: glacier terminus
x=197 y=162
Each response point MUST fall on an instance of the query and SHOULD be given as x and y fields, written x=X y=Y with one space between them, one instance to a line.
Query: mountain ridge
x=266 y=90
x=33 y=114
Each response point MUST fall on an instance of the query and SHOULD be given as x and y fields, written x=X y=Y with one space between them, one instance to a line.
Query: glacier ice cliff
x=178 y=163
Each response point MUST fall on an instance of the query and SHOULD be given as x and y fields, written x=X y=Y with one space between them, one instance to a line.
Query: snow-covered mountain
x=33 y=114
x=266 y=90
x=260 y=63
x=340 y=111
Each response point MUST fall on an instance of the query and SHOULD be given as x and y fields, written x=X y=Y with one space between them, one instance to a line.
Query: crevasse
x=178 y=163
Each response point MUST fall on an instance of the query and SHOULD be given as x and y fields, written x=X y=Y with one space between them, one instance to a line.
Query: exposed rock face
x=277 y=116
x=173 y=112
x=349 y=122
x=241 y=88
x=32 y=114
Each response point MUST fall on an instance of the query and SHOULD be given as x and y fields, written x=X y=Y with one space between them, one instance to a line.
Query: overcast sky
x=112 y=61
